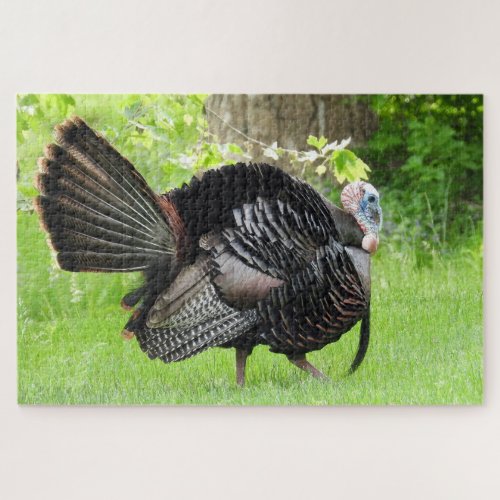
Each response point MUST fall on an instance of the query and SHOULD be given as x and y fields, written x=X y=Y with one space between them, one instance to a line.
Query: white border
x=255 y=46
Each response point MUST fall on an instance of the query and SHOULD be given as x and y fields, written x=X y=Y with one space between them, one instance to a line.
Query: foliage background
x=425 y=159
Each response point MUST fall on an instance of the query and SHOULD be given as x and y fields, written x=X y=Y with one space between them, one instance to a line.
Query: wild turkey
x=246 y=255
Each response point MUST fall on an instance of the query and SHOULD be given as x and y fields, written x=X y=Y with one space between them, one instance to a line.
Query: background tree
x=288 y=119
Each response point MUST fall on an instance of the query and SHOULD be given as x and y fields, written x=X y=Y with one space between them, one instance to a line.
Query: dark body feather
x=245 y=255
x=281 y=227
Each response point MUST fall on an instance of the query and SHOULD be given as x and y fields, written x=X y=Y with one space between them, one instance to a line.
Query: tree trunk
x=288 y=119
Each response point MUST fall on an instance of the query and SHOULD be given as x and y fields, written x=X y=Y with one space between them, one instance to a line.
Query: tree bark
x=288 y=119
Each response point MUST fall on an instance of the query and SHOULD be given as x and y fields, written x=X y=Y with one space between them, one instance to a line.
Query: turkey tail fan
x=364 y=340
x=98 y=210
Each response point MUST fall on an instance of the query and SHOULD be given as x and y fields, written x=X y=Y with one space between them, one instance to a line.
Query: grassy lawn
x=426 y=348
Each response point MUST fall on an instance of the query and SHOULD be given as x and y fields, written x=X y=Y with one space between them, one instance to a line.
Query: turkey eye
x=371 y=198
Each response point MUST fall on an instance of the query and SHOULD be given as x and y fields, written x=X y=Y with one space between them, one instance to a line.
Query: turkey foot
x=301 y=362
x=241 y=361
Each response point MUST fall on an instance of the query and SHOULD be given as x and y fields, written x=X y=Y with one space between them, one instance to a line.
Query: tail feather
x=99 y=211
x=67 y=176
x=76 y=241
x=81 y=217
x=94 y=151
x=106 y=262
x=85 y=171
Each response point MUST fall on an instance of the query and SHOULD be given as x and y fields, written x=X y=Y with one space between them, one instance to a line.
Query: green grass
x=426 y=343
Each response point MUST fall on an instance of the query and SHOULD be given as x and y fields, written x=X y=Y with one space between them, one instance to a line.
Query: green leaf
x=67 y=99
x=27 y=191
x=322 y=142
x=28 y=100
x=234 y=148
x=347 y=166
x=317 y=143
x=312 y=140
x=210 y=156
x=321 y=170
x=174 y=176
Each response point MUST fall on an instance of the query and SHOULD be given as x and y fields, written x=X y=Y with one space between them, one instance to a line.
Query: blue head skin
x=361 y=200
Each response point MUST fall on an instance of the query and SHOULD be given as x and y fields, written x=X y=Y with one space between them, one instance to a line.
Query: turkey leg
x=241 y=361
x=301 y=362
